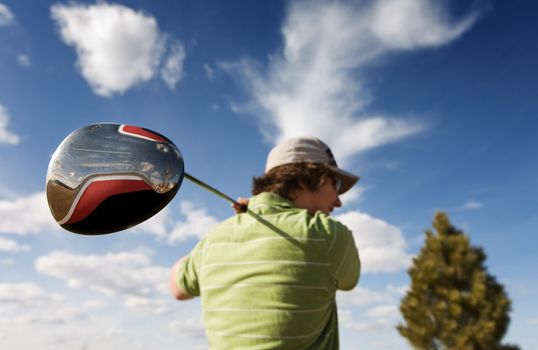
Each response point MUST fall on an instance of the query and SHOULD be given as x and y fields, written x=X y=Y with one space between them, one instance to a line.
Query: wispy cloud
x=28 y=303
x=190 y=326
x=472 y=205
x=158 y=225
x=365 y=310
x=6 y=136
x=314 y=87
x=366 y=297
x=117 y=47
x=209 y=71
x=26 y=215
x=28 y=308
x=59 y=316
x=6 y=261
x=195 y=224
x=361 y=296
x=347 y=320
x=124 y=273
x=7 y=17
x=384 y=311
x=24 y=294
x=353 y=195
x=172 y=70
x=23 y=60
x=11 y=246
x=411 y=24
x=150 y=305
x=382 y=247
x=67 y=321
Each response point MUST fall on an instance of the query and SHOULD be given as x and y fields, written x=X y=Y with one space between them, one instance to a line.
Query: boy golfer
x=268 y=276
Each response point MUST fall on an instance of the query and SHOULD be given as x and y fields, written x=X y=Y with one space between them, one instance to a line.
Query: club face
x=106 y=177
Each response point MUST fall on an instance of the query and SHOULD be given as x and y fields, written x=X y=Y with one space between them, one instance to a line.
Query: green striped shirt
x=268 y=278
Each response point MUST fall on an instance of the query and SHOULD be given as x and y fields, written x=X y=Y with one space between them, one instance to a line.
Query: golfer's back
x=268 y=278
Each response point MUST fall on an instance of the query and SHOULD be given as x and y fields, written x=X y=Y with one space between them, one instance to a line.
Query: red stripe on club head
x=137 y=131
x=99 y=191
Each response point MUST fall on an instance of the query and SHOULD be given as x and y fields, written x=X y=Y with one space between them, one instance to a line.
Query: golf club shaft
x=211 y=189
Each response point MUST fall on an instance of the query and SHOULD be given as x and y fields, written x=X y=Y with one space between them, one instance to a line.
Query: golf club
x=108 y=177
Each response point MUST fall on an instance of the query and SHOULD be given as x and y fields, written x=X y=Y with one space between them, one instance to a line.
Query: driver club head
x=107 y=177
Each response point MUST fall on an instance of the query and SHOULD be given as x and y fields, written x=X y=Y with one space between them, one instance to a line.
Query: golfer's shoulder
x=224 y=226
x=328 y=224
x=230 y=229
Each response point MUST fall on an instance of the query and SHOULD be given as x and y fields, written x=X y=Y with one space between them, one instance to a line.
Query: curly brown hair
x=285 y=179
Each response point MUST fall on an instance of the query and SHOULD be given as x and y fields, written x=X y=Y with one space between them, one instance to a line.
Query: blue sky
x=434 y=105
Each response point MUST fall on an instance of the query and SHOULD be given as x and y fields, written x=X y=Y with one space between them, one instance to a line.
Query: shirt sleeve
x=343 y=254
x=187 y=274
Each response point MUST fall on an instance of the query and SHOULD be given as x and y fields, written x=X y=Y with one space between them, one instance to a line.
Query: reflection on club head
x=108 y=177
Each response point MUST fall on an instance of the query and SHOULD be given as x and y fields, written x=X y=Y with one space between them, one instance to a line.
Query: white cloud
x=365 y=297
x=209 y=71
x=399 y=292
x=6 y=261
x=384 y=311
x=6 y=16
x=29 y=309
x=114 y=332
x=26 y=294
x=26 y=215
x=24 y=60
x=10 y=246
x=117 y=47
x=172 y=70
x=353 y=195
x=364 y=310
x=189 y=326
x=70 y=322
x=361 y=296
x=368 y=325
x=5 y=135
x=472 y=205
x=158 y=225
x=409 y=24
x=149 y=305
x=198 y=222
x=60 y=315
x=129 y=274
x=382 y=247
x=313 y=87
x=94 y=304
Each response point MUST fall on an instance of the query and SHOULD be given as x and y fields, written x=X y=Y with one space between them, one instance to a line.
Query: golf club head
x=109 y=177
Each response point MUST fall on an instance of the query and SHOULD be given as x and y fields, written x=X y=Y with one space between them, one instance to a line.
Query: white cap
x=310 y=150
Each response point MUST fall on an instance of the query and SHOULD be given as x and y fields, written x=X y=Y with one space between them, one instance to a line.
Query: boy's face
x=324 y=199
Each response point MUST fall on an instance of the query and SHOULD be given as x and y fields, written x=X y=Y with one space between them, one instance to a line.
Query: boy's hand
x=240 y=205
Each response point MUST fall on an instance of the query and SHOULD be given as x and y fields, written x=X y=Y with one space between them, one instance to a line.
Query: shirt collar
x=266 y=200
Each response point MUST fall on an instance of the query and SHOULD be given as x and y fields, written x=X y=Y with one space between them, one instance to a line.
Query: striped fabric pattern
x=268 y=278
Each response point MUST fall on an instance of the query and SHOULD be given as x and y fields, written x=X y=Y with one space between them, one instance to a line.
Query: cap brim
x=348 y=179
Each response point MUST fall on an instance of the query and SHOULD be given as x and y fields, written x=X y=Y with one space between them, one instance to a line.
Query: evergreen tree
x=453 y=303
